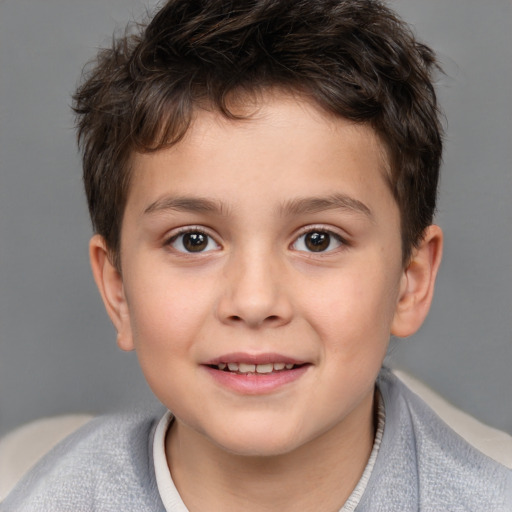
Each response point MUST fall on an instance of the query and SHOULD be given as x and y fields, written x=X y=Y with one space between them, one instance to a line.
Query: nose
x=254 y=292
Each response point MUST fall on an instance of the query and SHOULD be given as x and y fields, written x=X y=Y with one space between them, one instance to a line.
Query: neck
x=319 y=475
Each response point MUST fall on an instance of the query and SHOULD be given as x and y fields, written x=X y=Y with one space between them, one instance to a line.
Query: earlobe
x=110 y=285
x=417 y=284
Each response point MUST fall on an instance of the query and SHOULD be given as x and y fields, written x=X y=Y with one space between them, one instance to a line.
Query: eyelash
x=310 y=230
x=179 y=237
x=332 y=236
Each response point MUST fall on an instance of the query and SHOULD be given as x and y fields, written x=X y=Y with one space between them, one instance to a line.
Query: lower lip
x=256 y=383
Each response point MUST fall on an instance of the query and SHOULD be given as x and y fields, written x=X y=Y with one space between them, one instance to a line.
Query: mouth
x=250 y=374
x=254 y=369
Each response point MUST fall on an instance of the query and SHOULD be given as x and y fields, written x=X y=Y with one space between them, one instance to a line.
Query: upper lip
x=266 y=358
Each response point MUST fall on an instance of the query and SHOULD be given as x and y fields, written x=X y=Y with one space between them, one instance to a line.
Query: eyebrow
x=300 y=206
x=186 y=204
x=309 y=205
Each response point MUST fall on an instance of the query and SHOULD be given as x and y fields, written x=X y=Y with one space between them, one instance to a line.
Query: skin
x=256 y=190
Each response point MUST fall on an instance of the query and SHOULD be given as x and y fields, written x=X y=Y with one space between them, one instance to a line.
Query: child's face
x=273 y=240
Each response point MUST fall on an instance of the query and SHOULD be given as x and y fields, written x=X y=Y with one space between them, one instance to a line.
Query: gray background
x=57 y=348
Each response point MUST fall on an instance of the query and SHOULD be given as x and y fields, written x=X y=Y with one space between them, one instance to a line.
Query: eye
x=318 y=241
x=193 y=242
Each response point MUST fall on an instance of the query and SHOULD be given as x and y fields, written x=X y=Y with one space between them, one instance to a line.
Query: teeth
x=246 y=368
x=264 y=368
x=255 y=368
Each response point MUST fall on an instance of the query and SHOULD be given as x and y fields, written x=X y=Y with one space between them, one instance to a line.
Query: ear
x=110 y=284
x=417 y=284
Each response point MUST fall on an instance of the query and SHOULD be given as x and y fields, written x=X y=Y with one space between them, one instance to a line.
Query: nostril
x=271 y=319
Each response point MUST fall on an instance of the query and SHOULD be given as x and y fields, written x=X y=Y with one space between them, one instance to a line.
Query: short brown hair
x=353 y=58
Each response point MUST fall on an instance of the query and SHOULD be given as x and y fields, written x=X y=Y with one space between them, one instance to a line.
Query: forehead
x=281 y=144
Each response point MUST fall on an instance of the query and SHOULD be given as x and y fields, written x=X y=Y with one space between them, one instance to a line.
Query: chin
x=257 y=450
x=264 y=442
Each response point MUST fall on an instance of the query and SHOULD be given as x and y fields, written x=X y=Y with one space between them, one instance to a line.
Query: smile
x=246 y=368
x=255 y=374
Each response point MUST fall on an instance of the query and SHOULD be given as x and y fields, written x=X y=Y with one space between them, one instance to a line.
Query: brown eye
x=193 y=241
x=317 y=241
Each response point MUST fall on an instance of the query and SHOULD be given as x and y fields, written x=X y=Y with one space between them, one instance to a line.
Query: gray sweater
x=422 y=465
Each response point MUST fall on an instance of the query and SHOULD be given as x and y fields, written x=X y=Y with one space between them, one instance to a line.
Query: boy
x=262 y=181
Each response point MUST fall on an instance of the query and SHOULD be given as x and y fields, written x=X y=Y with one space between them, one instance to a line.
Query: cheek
x=166 y=313
x=167 y=319
x=353 y=308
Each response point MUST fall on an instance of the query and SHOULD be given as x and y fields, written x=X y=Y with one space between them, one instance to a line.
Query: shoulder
x=441 y=470
x=106 y=464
